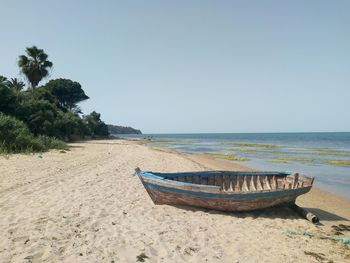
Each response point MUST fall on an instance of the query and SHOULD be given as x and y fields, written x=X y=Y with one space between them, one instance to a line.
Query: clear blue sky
x=194 y=66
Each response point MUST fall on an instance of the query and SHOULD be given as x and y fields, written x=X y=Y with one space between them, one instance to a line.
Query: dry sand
x=84 y=206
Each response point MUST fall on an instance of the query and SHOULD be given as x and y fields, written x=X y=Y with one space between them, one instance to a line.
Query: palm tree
x=35 y=67
x=3 y=81
x=16 y=84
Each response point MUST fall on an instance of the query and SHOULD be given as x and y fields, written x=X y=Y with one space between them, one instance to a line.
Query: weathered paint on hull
x=225 y=190
x=228 y=203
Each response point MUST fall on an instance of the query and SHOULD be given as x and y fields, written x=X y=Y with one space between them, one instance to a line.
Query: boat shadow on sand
x=282 y=212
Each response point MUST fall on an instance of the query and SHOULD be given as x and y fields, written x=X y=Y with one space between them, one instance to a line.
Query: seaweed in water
x=229 y=157
x=295 y=159
x=277 y=161
x=338 y=162
x=256 y=145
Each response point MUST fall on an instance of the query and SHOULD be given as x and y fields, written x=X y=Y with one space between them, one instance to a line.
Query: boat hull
x=234 y=202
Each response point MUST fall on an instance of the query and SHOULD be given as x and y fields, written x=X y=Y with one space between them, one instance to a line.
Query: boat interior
x=243 y=181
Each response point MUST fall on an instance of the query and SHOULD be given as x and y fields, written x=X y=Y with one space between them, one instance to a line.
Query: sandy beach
x=84 y=205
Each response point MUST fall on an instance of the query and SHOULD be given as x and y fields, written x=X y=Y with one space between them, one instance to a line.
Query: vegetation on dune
x=51 y=143
x=96 y=126
x=15 y=137
x=338 y=162
x=229 y=157
x=42 y=117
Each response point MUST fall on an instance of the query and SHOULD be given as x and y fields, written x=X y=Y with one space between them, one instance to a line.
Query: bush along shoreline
x=37 y=118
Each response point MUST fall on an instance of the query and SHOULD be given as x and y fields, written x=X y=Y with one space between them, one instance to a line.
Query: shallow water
x=323 y=155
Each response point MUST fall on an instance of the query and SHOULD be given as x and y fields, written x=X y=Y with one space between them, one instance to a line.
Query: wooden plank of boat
x=229 y=191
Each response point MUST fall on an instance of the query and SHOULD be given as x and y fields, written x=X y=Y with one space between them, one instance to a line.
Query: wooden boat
x=225 y=190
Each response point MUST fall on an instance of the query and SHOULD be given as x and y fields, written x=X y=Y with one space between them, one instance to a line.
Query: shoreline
x=83 y=205
x=208 y=157
x=317 y=196
x=204 y=158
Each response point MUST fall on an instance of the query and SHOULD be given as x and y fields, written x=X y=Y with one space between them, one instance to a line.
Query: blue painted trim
x=152 y=175
x=239 y=196
x=208 y=173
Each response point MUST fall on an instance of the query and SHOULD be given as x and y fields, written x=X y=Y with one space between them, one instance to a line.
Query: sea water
x=314 y=154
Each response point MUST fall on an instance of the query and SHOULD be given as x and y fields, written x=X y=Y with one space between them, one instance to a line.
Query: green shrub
x=69 y=126
x=15 y=137
x=97 y=127
x=39 y=115
x=51 y=142
x=8 y=100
